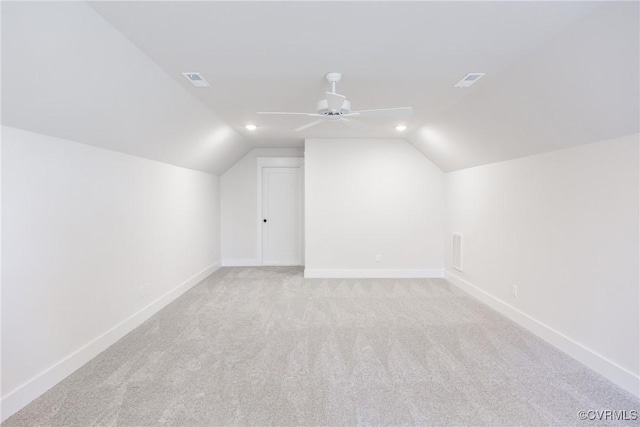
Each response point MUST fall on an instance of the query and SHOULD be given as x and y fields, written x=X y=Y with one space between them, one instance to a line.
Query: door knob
x=264 y=220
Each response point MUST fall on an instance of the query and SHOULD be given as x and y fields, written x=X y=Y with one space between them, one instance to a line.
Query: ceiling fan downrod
x=333 y=78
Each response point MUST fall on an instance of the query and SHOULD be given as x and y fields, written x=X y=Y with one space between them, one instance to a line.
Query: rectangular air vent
x=469 y=79
x=456 y=259
x=196 y=79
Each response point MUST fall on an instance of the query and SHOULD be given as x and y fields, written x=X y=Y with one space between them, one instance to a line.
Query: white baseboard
x=372 y=273
x=605 y=367
x=241 y=262
x=26 y=393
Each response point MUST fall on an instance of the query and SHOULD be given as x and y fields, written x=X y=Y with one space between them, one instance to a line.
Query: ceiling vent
x=196 y=79
x=469 y=79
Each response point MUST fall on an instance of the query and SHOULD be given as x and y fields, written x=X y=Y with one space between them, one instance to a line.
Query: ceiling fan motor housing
x=323 y=108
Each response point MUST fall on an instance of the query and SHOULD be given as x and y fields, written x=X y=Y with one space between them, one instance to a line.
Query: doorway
x=280 y=212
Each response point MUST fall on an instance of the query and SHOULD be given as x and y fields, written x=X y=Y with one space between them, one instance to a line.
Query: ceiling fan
x=336 y=107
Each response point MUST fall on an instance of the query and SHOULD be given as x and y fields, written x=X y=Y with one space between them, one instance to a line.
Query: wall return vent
x=456 y=259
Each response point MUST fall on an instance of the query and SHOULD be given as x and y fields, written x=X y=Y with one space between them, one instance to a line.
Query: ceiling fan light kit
x=335 y=107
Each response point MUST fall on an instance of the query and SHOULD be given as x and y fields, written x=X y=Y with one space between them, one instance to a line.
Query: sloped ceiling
x=580 y=86
x=558 y=74
x=69 y=74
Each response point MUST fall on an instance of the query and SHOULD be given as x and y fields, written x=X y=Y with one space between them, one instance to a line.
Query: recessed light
x=251 y=127
x=401 y=128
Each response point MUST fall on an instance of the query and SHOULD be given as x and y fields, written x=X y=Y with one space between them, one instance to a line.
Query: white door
x=281 y=216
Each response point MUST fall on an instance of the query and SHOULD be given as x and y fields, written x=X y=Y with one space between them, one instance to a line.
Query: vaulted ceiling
x=109 y=74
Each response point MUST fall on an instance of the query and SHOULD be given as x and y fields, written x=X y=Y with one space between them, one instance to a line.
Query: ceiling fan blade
x=335 y=101
x=308 y=125
x=290 y=114
x=399 y=111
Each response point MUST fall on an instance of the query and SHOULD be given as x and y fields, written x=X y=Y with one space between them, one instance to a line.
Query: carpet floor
x=264 y=346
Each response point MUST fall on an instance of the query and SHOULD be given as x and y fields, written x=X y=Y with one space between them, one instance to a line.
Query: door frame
x=279 y=162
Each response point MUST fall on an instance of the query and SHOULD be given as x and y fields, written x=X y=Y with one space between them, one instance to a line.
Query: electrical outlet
x=514 y=291
x=378 y=258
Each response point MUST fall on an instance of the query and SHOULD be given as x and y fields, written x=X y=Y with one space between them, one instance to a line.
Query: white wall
x=562 y=227
x=94 y=241
x=238 y=206
x=366 y=197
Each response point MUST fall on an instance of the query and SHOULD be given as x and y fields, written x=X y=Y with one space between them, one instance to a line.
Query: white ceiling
x=558 y=74
x=581 y=86
x=273 y=56
x=69 y=74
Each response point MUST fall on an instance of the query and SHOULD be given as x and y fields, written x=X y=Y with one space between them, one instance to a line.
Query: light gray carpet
x=263 y=346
